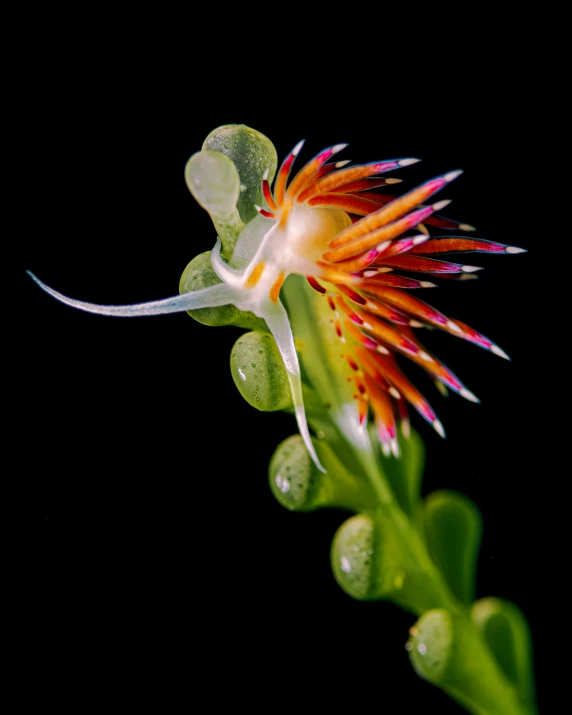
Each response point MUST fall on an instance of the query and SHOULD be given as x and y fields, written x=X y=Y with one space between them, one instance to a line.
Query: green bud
x=506 y=633
x=298 y=484
x=447 y=650
x=198 y=274
x=365 y=560
x=453 y=530
x=252 y=153
x=258 y=372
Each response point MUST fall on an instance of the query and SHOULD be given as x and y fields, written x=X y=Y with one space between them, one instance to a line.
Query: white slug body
x=306 y=229
x=266 y=254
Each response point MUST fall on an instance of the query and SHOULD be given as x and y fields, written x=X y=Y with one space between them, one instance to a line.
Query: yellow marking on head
x=275 y=290
x=254 y=277
x=285 y=211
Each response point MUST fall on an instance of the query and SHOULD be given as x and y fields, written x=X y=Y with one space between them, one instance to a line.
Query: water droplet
x=253 y=364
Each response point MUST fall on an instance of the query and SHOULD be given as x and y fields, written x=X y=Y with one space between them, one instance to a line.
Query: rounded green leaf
x=365 y=560
x=252 y=153
x=453 y=530
x=258 y=372
x=198 y=274
x=506 y=633
x=298 y=485
x=447 y=650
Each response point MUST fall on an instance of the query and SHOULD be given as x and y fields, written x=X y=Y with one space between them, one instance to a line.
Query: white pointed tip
x=499 y=351
x=427 y=284
x=386 y=449
x=382 y=350
x=441 y=205
x=425 y=356
x=416 y=324
x=393 y=181
x=468 y=395
x=466 y=227
x=258 y=208
x=369 y=274
x=394 y=393
x=420 y=239
x=406 y=428
x=395 y=447
x=382 y=246
x=471 y=269
x=338 y=147
x=453 y=326
x=298 y=148
x=339 y=164
x=452 y=175
x=408 y=162
x=515 y=249
x=266 y=174
x=438 y=427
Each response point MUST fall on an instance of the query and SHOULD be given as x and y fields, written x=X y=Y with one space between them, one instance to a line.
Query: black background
x=144 y=468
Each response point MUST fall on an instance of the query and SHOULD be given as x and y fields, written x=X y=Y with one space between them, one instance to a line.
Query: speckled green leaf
x=198 y=274
x=252 y=153
x=447 y=650
x=258 y=372
x=365 y=558
x=298 y=485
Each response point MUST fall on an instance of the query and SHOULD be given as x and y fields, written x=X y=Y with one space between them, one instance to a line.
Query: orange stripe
x=346 y=202
x=339 y=178
x=254 y=277
x=275 y=290
x=394 y=210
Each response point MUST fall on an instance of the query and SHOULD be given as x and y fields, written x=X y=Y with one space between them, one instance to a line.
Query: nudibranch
x=330 y=225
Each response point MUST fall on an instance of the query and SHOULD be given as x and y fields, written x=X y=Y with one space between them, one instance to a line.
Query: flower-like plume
x=330 y=225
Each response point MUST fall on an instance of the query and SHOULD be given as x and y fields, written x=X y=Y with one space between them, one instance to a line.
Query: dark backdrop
x=146 y=469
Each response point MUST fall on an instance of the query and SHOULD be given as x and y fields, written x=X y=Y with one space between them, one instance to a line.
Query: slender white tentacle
x=211 y=297
x=227 y=274
x=279 y=324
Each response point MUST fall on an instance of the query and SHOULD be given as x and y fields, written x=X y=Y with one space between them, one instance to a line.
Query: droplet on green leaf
x=198 y=274
x=365 y=561
x=447 y=650
x=252 y=153
x=298 y=485
x=258 y=372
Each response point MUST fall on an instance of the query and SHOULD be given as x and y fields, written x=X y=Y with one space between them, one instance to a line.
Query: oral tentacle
x=211 y=297
x=228 y=275
x=279 y=325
